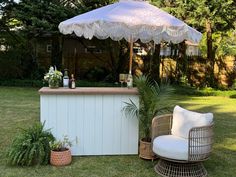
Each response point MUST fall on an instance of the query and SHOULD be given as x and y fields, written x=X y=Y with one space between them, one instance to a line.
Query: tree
x=39 y=18
x=214 y=16
x=155 y=63
x=208 y=16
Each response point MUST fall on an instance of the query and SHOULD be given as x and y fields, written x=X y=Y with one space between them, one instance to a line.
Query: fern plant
x=152 y=101
x=31 y=146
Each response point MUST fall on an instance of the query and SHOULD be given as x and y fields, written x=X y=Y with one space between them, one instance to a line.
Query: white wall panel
x=96 y=121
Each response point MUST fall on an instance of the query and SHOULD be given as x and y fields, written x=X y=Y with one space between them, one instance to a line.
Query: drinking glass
x=126 y=78
x=121 y=79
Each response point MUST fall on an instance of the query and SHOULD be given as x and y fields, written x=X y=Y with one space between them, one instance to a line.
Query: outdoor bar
x=92 y=118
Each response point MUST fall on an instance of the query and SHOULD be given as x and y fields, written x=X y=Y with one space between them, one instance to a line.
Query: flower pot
x=60 y=158
x=54 y=83
x=145 y=150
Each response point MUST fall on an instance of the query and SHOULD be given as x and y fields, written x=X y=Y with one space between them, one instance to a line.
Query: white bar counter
x=92 y=117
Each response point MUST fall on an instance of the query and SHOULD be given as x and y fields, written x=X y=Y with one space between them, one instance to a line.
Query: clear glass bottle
x=66 y=79
x=72 y=82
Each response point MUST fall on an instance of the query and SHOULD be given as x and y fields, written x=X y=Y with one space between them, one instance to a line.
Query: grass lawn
x=19 y=108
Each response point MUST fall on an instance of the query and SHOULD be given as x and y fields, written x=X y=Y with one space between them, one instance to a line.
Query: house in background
x=191 y=50
x=80 y=56
x=91 y=59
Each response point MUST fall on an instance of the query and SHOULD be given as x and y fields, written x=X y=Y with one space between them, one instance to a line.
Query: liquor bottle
x=72 y=82
x=66 y=79
x=130 y=81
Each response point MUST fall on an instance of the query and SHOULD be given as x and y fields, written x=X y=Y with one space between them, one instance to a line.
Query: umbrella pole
x=131 y=55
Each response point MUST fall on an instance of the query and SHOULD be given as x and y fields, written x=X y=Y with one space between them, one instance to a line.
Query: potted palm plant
x=60 y=152
x=152 y=101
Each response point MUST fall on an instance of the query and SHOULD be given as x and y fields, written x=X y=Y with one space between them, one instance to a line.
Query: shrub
x=23 y=83
x=31 y=146
x=234 y=84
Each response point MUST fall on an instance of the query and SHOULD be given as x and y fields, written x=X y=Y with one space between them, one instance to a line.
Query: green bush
x=208 y=91
x=31 y=146
x=41 y=83
x=234 y=85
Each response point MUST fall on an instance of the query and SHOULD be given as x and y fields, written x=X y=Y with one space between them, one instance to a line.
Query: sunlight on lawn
x=19 y=108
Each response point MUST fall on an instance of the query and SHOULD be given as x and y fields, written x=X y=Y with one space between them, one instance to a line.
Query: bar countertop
x=89 y=91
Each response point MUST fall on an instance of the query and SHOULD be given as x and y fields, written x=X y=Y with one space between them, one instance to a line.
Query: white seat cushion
x=171 y=147
x=184 y=120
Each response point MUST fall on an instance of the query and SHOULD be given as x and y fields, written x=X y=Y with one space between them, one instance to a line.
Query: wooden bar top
x=89 y=91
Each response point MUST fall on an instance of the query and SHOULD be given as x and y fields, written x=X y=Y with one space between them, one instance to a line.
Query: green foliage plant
x=234 y=85
x=31 y=146
x=61 y=145
x=152 y=101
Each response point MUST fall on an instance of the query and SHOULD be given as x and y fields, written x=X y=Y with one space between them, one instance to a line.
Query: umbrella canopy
x=131 y=20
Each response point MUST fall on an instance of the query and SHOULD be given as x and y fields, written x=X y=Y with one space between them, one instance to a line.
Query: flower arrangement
x=53 y=77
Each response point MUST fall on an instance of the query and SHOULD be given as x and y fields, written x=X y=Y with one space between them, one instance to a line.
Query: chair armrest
x=161 y=125
x=200 y=143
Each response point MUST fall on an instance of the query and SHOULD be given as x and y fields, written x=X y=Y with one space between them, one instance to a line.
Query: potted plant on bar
x=60 y=152
x=152 y=100
x=53 y=77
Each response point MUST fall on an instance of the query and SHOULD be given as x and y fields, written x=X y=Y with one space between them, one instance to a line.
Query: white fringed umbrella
x=131 y=20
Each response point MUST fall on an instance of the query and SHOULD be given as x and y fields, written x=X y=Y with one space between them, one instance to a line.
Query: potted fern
x=31 y=146
x=152 y=101
x=60 y=152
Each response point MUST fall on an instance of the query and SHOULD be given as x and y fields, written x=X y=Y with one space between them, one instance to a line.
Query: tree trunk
x=123 y=62
x=155 y=64
x=114 y=54
x=210 y=54
x=56 y=55
x=181 y=62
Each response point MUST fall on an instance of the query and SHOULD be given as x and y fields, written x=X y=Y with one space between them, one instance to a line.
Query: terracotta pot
x=145 y=150
x=60 y=158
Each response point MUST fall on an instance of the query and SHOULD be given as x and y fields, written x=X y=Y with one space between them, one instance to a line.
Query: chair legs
x=173 y=169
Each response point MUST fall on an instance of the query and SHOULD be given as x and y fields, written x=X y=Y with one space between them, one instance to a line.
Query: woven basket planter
x=60 y=158
x=145 y=150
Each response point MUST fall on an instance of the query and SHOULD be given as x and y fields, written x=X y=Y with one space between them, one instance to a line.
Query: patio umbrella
x=131 y=20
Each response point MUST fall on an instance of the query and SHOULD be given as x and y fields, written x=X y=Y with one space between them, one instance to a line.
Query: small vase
x=54 y=83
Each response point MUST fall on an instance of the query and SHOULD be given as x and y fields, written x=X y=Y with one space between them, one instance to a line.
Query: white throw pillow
x=184 y=120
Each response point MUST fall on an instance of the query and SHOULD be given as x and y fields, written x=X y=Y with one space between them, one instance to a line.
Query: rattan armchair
x=199 y=147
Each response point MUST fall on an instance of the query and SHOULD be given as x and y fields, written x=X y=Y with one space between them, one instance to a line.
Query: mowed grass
x=19 y=108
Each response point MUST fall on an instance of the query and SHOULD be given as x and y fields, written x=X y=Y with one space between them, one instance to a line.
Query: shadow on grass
x=233 y=96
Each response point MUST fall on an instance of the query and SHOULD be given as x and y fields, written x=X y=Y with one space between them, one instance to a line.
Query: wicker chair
x=198 y=148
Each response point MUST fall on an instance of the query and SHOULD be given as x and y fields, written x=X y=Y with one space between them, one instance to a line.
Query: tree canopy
x=27 y=19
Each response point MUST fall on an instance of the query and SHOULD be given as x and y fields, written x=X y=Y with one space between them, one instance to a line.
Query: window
x=92 y=49
x=49 y=48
